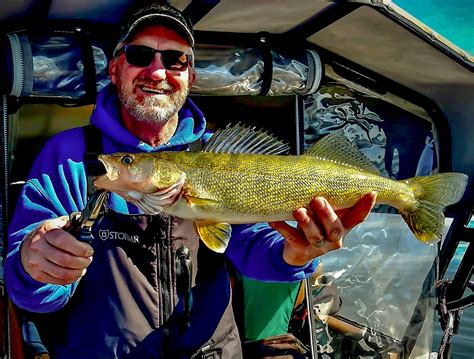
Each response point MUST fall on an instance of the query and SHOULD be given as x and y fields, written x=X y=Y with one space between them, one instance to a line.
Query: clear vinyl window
x=372 y=293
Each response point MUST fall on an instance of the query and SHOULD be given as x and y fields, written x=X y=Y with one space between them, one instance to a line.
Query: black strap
x=90 y=76
x=94 y=147
x=38 y=13
x=267 y=64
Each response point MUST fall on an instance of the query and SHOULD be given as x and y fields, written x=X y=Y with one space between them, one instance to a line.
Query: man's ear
x=192 y=76
x=113 y=70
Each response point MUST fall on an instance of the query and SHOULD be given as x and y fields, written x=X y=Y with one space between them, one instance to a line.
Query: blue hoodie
x=57 y=186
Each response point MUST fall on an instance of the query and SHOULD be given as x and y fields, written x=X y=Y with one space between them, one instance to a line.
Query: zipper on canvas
x=3 y=293
x=18 y=65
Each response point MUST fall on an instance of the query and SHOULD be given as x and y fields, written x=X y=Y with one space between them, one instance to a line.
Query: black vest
x=153 y=290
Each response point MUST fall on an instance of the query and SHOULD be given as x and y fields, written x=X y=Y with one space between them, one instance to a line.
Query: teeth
x=149 y=89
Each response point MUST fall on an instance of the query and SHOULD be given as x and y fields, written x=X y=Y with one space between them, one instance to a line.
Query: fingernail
x=301 y=215
x=318 y=244
x=89 y=252
x=335 y=235
x=319 y=202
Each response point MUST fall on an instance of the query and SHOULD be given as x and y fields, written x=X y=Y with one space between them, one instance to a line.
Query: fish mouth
x=112 y=172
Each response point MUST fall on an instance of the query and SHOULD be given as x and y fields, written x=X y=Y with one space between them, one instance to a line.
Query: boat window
x=380 y=272
x=372 y=40
x=454 y=20
x=30 y=127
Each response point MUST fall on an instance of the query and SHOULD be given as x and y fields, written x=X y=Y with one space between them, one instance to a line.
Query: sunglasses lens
x=140 y=56
x=174 y=60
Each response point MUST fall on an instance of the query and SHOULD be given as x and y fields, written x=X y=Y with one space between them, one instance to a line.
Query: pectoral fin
x=196 y=201
x=216 y=236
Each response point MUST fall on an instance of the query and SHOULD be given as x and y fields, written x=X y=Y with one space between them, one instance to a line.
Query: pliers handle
x=80 y=223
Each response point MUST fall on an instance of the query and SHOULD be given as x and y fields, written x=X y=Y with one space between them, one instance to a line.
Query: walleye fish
x=240 y=177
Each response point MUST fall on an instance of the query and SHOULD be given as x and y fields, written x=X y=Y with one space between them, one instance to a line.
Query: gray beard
x=153 y=110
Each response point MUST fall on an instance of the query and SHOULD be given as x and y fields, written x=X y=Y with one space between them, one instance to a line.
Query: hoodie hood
x=106 y=117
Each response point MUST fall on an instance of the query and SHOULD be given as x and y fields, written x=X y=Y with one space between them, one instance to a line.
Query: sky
x=453 y=19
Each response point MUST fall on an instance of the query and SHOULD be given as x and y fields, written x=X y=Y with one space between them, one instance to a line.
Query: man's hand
x=51 y=255
x=320 y=228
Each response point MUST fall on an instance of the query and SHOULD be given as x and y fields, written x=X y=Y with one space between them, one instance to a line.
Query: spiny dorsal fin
x=336 y=147
x=242 y=139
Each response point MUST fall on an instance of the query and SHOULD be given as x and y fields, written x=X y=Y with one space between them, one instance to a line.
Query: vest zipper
x=166 y=273
x=184 y=274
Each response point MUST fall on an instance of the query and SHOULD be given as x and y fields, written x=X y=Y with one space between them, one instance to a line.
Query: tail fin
x=434 y=193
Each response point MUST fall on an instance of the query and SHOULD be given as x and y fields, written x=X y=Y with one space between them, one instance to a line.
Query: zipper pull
x=184 y=274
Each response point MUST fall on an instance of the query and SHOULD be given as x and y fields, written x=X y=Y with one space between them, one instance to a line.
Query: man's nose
x=156 y=69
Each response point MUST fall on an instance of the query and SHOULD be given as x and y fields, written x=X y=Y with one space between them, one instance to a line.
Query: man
x=131 y=302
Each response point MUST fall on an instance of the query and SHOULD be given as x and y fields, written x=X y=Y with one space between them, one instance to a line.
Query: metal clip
x=80 y=223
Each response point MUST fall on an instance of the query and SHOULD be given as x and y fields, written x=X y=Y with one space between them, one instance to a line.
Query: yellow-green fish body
x=217 y=188
x=248 y=188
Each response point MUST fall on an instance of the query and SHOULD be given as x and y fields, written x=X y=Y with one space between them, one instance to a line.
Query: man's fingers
x=359 y=212
x=67 y=243
x=66 y=260
x=47 y=272
x=53 y=234
x=310 y=228
x=42 y=249
x=329 y=220
x=296 y=247
x=52 y=255
x=288 y=232
x=320 y=228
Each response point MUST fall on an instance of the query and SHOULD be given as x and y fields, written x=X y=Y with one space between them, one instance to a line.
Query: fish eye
x=127 y=159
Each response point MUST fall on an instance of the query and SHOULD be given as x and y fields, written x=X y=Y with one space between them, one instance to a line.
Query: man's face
x=152 y=94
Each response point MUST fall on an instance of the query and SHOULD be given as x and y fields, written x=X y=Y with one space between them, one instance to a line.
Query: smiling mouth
x=154 y=91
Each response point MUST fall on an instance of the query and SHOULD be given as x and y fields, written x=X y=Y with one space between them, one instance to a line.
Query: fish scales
x=277 y=185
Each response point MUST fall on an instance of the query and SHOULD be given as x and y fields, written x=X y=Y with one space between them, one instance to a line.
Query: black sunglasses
x=142 y=56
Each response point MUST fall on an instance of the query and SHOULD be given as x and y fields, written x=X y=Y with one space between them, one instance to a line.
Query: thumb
x=288 y=232
x=55 y=223
x=360 y=211
x=292 y=251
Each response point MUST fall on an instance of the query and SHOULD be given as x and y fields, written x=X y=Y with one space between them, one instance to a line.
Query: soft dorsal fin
x=336 y=147
x=242 y=139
